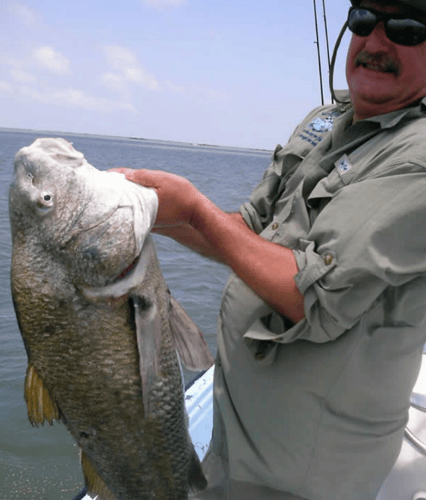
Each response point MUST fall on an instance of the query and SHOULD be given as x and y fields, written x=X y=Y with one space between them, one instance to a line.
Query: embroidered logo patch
x=321 y=125
x=343 y=165
x=315 y=130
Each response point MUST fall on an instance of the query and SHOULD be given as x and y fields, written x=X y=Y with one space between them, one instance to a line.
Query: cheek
x=354 y=49
x=413 y=64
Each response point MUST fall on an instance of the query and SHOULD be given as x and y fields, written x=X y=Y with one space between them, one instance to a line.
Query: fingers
x=128 y=172
x=148 y=178
x=120 y=170
x=176 y=195
x=142 y=176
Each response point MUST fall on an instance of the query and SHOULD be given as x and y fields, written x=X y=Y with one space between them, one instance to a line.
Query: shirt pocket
x=343 y=173
x=285 y=160
x=325 y=189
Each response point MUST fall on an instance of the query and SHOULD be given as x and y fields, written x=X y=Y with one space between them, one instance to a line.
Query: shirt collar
x=389 y=120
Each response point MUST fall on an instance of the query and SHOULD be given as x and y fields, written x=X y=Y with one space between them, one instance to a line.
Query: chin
x=374 y=87
x=372 y=97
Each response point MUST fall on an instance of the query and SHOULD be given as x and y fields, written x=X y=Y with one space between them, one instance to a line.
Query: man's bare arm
x=190 y=237
x=266 y=267
x=269 y=269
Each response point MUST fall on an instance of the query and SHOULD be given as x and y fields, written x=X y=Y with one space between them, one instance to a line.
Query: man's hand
x=178 y=198
x=266 y=267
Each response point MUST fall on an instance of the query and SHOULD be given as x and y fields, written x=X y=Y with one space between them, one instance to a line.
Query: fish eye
x=45 y=201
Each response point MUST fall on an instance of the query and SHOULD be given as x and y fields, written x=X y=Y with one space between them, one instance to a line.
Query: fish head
x=45 y=182
x=92 y=221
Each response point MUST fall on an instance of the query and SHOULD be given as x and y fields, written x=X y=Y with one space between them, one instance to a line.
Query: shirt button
x=327 y=259
x=275 y=226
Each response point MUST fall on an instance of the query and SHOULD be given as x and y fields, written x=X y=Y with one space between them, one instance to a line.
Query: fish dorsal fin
x=95 y=485
x=40 y=404
x=189 y=339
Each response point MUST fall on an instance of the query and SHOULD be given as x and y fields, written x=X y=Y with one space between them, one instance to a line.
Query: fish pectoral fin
x=148 y=335
x=196 y=479
x=189 y=339
x=40 y=404
x=95 y=485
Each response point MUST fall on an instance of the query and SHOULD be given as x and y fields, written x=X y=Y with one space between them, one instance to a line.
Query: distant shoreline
x=133 y=138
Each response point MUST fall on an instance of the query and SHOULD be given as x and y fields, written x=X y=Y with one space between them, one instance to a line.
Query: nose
x=377 y=41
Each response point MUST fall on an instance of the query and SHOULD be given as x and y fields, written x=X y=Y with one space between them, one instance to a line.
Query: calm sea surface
x=42 y=463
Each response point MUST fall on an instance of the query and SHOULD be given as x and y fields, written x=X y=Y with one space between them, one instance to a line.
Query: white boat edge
x=407 y=480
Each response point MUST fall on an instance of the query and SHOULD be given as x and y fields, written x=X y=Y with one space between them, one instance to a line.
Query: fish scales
x=83 y=337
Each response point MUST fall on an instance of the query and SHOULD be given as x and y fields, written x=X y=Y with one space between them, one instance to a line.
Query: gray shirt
x=318 y=408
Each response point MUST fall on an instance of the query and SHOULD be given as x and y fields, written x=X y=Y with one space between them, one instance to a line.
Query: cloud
x=128 y=69
x=163 y=4
x=24 y=13
x=54 y=61
x=7 y=59
x=175 y=88
x=113 y=81
x=5 y=87
x=77 y=98
x=69 y=97
x=22 y=76
x=24 y=85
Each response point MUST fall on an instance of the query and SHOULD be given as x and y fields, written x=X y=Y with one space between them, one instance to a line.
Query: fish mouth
x=128 y=280
x=128 y=269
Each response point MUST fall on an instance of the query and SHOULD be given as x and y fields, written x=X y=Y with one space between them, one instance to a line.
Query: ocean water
x=42 y=463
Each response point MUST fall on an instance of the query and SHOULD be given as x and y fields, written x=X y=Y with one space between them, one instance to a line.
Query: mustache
x=382 y=62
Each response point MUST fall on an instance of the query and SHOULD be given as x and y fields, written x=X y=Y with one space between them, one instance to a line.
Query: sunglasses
x=398 y=29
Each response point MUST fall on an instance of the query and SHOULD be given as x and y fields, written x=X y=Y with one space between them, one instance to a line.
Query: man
x=322 y=322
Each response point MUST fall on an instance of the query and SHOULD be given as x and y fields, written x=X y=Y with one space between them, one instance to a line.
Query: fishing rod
x=318 y=52
x=326 y=41
x=318 y=47
x=326 y=33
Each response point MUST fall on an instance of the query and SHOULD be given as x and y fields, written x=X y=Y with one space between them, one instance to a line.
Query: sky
x=232 y=73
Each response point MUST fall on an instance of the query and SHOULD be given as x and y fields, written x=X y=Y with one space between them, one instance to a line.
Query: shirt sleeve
x=368 y=242
x=259 y=210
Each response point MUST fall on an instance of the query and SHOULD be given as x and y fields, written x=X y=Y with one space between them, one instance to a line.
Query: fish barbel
x=102 y=333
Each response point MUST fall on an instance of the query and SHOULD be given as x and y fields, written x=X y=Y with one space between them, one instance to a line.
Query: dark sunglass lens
x=406 y=31
x=361 y=21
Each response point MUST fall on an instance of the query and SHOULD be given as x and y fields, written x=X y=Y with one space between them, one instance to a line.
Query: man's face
x=384 y=76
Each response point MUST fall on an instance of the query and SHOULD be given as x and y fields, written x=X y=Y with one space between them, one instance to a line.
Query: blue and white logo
x=321 y=125
x=343 y=165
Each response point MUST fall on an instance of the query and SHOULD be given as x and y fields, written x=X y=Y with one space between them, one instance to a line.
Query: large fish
x=99 y=325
